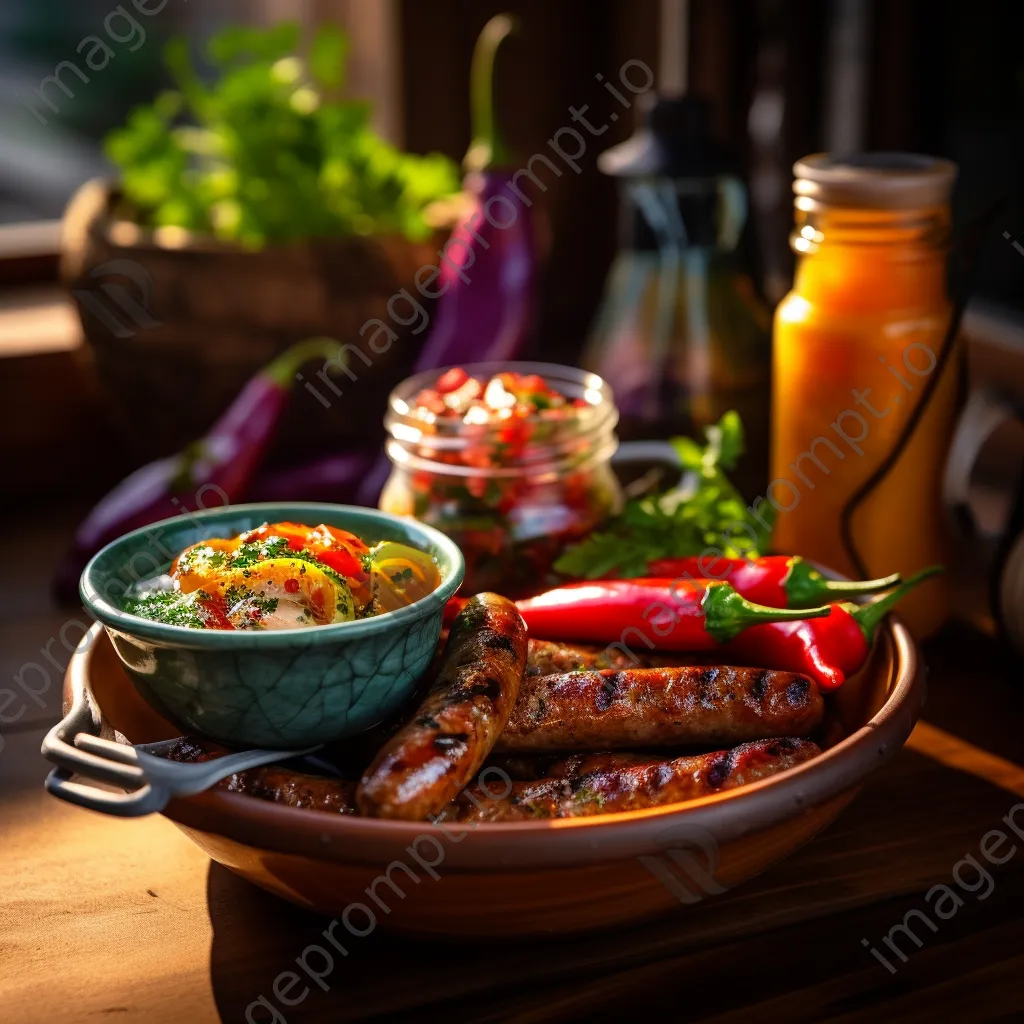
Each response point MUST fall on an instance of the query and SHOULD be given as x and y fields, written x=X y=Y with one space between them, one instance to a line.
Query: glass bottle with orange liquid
x=855 y=345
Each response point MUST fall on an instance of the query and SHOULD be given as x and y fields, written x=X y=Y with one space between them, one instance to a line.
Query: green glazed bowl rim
x=451 y=564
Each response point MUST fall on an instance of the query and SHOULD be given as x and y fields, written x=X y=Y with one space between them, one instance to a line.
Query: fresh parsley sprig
x=705 y=511
x=271 y=150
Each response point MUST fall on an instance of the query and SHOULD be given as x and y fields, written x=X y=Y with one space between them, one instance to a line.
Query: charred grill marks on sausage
x=691 y=705
x=719 y=770
x=760 y=685
x=499 y=642
x=798 y=692
x=608 y=783
x=427 y=762
x=607 y=691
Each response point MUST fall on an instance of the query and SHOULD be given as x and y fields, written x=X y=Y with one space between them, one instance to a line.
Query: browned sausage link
x=280 y=785
x=419 y=770
x=657 y=707
x=295 y=789
x=550 y=657
x=194 y=749
x=611 y=783
x=526 y=767
x=354 y=753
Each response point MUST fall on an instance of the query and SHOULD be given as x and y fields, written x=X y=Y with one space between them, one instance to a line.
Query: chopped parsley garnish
x=707 y=512
x=170 y=606
x=242 y=583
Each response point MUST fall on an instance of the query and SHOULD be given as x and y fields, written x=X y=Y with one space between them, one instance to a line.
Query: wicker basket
x=177 y=329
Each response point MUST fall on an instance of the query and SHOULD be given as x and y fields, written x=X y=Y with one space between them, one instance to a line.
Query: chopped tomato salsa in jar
x=512 y=461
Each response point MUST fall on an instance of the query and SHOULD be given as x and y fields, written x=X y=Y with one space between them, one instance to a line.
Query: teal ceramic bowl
x=286 y=689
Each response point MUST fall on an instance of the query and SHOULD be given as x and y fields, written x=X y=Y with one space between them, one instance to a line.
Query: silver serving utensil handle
x=75 y=746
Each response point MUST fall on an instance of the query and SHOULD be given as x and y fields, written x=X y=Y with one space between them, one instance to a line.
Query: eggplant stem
x=283 y=368
x=487 y=148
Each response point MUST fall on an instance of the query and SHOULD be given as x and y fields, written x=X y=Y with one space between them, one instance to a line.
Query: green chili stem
x=804 y=585
x=862 y=586
x=726 y=614
x=868 y=616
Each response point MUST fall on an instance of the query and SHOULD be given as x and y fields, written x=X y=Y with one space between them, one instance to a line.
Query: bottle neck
x=868 y=258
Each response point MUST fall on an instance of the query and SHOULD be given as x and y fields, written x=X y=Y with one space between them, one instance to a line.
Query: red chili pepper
x=697 y=616
x=342 y=562
x=452 y=609
x=216 y=611
x=779 y=581
x=828 y=649
x=295 y=534
x=344 y=537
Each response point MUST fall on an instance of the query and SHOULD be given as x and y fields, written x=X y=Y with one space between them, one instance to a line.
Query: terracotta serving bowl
x=533 y=877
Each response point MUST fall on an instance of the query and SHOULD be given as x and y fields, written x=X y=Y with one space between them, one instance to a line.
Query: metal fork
x=75 y=746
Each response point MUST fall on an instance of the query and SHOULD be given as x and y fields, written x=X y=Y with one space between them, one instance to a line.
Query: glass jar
x=511 y=494
x=855 y=344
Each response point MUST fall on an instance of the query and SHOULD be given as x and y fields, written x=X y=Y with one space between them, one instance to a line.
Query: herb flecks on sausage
x=612 y=783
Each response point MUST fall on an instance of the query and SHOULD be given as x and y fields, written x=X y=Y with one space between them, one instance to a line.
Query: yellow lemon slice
x=402 y=575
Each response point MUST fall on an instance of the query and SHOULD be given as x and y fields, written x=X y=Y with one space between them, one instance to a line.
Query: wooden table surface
x=105 y=920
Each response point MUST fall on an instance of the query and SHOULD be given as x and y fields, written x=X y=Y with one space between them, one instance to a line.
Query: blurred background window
x=70 y=71
x=784 y=78
x=53 y=117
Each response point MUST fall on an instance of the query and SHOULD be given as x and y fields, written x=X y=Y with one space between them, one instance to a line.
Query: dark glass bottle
x=681 y=334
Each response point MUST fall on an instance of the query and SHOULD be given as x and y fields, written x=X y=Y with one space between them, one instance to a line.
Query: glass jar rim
x=593 y=422
x=883 y=180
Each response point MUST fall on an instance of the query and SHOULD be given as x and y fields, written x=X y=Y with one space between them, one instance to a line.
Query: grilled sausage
x=550 y=657
x=194 y=749
x=525 y=767
x=705 y=706
x=296 y=789
x=427 y=762
x=611 y=783
x=269 y=782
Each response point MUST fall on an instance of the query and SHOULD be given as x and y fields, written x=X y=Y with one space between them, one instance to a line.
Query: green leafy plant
x=705 y=512
x=269 y=152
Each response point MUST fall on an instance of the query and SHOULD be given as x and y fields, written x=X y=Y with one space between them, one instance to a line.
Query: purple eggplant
x=489 y=265
x=215 y=470
x=488 y=278
x=331 y=478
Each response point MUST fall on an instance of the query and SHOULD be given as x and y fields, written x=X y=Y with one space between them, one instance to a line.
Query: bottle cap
x=888 y=181
x=674 y=140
